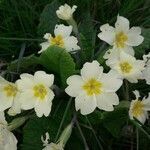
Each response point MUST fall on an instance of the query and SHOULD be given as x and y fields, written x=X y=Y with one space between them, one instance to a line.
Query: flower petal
x=62 y=30
x=129 y=50
x=26 y=82
x=44 y=46
x=105 y=101
x=47 y=36
x=86 y=104
x=122 y=24
x=146 y=74
x=135 y=30
x=16 y=106
x=70 y=43
x=5 y=102
x=107 y=34
x=111 y=81
x=134 y=39
x=44 y=78
x=142 y=118
x=91 y=70
x=43 y=108
x=75 y=83
x=146 y=103
x=3 y=81
x=27 y=99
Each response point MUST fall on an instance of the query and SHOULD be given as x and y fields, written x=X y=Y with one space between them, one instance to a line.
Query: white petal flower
x=62 y=38
x=94 y=88
x=139 y=108
x=8 y=94
x=7 y=140
x=127 y=67
x=146 y=71
x=35 y=92
x=65 y=12
x=121 y=37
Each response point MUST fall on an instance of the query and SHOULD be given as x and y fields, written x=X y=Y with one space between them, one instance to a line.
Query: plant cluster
x=99 y=86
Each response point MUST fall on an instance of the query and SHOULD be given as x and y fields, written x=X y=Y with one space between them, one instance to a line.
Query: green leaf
x=23 y=64
x=59 y=61
x=94 y=118
x=115 y=120
x=48 y=18
x=88 y=35
x=34 y=129
x=145 y=46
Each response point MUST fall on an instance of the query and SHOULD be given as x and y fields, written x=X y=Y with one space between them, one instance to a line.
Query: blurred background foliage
x=22 y=25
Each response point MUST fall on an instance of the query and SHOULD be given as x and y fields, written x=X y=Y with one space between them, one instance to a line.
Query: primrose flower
x=8 y=96
x=139 y=108
x=61 y=39
x=127 y=67
x=146 y=71
x=7 y=139
x=65 y=12
x=94 y=88
x=121 y=37
x=35 y=92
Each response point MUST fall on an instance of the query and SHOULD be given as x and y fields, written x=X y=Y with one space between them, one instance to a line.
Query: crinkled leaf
x=59 y=61
x=88 y=35
x=48 y=18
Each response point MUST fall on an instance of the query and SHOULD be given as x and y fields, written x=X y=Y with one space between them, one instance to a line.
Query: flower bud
x=65 y=12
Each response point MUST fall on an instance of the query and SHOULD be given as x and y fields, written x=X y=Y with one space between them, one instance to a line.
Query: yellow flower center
x=121 y=38
x=92 y=86
x=58 y=40
x=10 y=90
x=137 y=109
x=40 y=91
x=125 y=67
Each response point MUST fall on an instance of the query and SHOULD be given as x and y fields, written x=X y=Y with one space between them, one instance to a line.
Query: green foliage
x=37 y=127
x=144 y=47
x=48 y=18
x=26 y=21
x=88 y=35
x=59 y=61
x=114 y=121
x=23 y=64
x=34 y=129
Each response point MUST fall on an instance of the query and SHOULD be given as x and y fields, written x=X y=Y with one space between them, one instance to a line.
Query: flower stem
x=99 y=144
x=126 y=84
x=74 y=25
x=140 y=128
x=63 y=119
x=82 y=135
x=137 y=139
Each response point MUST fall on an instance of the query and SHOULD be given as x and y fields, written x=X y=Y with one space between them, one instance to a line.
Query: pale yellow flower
x=94 y=88
x=139 y=108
